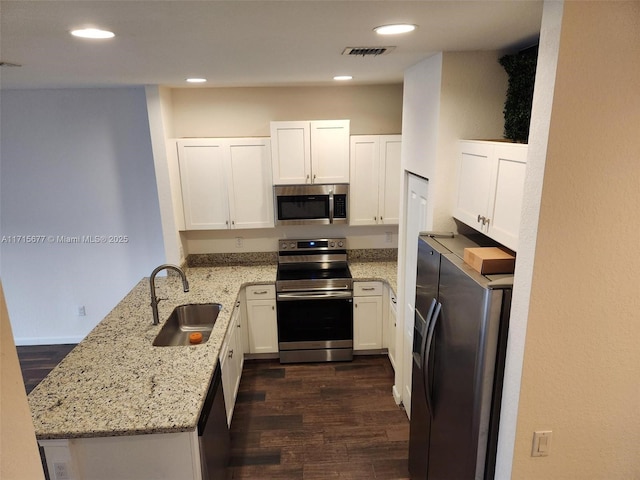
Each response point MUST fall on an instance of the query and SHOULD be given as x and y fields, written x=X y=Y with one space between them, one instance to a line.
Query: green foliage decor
x=521 y=68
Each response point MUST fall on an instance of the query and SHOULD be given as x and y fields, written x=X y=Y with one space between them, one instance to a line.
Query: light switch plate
x=541 y=443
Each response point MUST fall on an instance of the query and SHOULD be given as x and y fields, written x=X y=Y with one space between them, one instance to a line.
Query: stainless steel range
x=314 y=295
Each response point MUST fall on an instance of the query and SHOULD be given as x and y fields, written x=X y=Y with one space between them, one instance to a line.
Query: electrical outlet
x=239 y=242
x=82 y=311
x=388 y=237
x=541 y=443
x=61 y=471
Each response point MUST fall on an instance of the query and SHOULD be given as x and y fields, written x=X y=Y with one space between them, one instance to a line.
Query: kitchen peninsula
x=117 y=391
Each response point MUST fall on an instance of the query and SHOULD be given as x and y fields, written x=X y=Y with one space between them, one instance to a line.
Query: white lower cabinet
x=231 y=363
x=161 y=456
x=390 y=328
x=261 y=318
x=367 y=316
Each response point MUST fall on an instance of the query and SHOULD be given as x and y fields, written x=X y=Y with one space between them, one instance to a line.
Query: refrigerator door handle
x=427 y=354
x=425 y=332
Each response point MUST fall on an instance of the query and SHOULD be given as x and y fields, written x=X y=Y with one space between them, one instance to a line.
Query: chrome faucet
x=152 y=281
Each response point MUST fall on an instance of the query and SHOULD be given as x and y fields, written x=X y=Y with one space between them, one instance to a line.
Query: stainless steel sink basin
x=185 y=320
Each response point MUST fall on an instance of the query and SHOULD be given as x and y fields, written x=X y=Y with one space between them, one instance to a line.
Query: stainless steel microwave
x=311 y=204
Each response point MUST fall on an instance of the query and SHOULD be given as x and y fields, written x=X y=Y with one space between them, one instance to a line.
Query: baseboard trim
x=27 y=341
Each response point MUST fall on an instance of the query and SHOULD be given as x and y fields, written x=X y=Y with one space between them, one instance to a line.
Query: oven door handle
x=314 y=296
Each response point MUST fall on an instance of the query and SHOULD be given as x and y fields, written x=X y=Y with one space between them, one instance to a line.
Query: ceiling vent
x=367 y=51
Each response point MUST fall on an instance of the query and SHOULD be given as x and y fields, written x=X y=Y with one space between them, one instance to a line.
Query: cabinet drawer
x=261 y=292
x=367 y=289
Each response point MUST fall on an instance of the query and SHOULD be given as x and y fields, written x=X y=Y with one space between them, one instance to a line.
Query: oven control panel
x=323 y=244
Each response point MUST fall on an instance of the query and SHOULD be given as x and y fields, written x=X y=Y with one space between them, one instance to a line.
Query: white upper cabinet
x=374 y=190
x=310 y=152
x=490 y=188
x=251 y=193
x=226 y=183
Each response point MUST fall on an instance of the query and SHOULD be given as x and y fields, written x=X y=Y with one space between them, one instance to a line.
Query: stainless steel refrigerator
x=459 y=343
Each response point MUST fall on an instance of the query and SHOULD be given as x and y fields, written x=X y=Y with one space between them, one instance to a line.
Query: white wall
x=538 y=138
x=246 y=112
x=582 y=361
x=74 y=163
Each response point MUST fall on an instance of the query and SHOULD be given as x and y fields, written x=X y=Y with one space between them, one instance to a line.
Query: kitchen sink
x=185 y=320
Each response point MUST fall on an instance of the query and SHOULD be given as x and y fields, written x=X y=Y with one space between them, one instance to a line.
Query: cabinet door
x=389 y=196
x=263 y=327
x=330 y=151
x=504 y=218
x=475 y=174
x=363 y=189
x=228 y=375
x=391 y=329
x=204 y=189
x=251 y=191
x=367 y=323
x=291 y=152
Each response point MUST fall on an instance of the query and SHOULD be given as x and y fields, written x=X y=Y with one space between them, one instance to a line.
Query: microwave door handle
x=331 y=206
x=430 y=336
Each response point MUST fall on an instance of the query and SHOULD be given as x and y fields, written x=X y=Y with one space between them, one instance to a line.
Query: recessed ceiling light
x=343 y=77
x=196 y=80
x=394 y=29
x=92 y=33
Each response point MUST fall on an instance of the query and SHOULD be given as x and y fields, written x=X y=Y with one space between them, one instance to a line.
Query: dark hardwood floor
x=299 y=421
x=38 y=360
x=319 y=421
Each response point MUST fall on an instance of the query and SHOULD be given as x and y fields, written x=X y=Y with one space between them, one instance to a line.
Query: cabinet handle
x=314 y=177
x=393 y=300
x=226 y=222
x=230 y=353
x=272 y=307
x=307 y=178
x=482 y=219
x=261 y=292
x=368 y=289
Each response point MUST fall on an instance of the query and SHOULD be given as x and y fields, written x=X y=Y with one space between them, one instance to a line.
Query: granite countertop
x=116 y=383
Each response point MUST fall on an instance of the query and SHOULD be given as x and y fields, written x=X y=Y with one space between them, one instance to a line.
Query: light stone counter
x=116 y=383
x=367 y=271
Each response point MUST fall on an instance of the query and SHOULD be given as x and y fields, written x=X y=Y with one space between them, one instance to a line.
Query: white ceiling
x=244 y=43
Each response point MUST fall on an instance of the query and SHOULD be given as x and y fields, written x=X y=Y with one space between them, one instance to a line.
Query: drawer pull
x=261 y=292
x=368 y=289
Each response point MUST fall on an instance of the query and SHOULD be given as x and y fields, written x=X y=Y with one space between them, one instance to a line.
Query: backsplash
x=249 y=258
x=373 y=255
x=271 y=258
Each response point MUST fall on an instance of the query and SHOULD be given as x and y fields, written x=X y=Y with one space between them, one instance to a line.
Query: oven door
x=315 y=326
